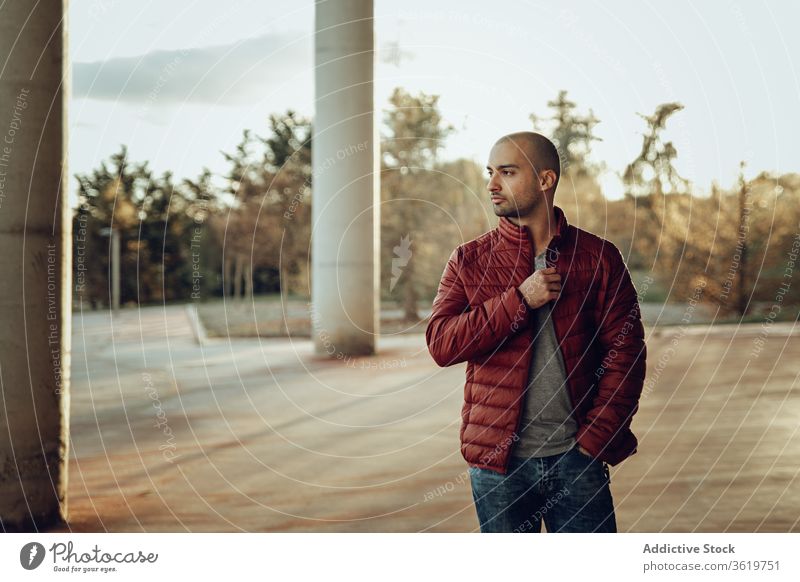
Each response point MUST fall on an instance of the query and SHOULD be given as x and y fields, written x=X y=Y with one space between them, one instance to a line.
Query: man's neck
x=541 y=225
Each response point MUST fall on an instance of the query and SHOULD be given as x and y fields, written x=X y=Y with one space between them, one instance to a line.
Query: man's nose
x=494 y=184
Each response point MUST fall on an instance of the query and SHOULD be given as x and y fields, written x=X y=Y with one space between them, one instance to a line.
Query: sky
x=178 y=82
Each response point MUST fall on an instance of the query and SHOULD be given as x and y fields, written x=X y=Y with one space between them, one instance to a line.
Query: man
x=547 y=319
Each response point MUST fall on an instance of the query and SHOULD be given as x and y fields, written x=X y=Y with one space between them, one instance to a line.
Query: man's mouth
x=497 y=199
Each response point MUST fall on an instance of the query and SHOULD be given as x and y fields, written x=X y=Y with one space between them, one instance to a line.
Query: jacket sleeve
x=621 y=373
x=457 y=332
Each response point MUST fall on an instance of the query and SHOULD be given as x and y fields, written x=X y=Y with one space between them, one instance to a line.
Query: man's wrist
x=522 y=296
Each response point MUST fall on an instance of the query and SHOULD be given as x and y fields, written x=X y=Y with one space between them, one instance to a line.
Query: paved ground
x=272 y=315
x=249 y=435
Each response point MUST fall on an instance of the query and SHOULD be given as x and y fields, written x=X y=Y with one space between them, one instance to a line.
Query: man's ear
x=547 y=179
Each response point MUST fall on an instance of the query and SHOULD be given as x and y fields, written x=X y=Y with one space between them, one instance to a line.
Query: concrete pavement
x=261 y=435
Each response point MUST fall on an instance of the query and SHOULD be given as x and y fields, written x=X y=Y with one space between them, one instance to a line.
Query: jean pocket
x=578 y=452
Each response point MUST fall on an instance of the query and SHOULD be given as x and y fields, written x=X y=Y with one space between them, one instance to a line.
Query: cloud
x=226 y=74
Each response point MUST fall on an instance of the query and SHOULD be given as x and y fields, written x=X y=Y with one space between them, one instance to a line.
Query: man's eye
x=508 y=172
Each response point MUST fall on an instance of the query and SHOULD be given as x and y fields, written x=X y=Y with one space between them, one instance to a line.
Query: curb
x=198 y=330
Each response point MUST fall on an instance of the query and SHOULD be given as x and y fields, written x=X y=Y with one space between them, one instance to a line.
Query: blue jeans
x=570 y=491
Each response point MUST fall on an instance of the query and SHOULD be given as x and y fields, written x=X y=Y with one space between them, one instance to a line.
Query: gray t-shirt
x=548 y=427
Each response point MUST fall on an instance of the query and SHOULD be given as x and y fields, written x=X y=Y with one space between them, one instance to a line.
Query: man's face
x=514 y=185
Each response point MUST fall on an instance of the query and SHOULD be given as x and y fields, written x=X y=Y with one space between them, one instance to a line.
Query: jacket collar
x=519 y=235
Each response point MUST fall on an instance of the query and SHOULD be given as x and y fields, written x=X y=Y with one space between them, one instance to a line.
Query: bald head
x=537 y=150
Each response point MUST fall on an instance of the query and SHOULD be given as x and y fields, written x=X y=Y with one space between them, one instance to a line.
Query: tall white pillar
x=346 y=195
x=35 y=281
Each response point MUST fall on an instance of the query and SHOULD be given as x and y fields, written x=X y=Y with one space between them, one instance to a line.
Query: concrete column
x=346 y=225
x=35 y=280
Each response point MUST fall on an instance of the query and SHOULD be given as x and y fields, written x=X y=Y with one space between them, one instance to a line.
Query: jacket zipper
x=522 y=398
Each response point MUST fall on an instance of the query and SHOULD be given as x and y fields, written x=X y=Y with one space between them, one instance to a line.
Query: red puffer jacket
x=480 y=317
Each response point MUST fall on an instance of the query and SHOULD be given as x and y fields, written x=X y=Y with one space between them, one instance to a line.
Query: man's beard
x=509 y=209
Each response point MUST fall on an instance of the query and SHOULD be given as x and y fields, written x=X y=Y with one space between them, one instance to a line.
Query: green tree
x=652 y=183
x=107 y=200
x=288 y=175
x=290 y=139
x=149 y=214
x=265 y=224
x=414 y=131
x=203 y=202
x=652 y=173
x=571 y=133
x=579 y=192
x=747 y=234
x=235 y=225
